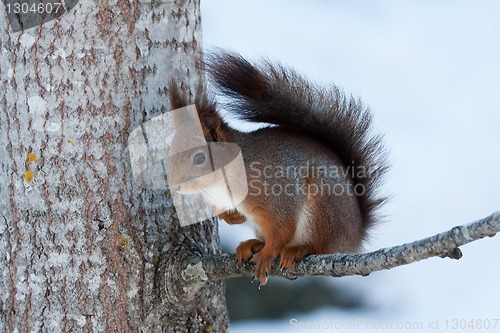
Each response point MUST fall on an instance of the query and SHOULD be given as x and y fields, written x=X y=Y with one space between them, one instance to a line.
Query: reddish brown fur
x=298 y=224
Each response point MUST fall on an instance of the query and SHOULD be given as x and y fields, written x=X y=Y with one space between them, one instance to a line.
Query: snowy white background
x=430 y=72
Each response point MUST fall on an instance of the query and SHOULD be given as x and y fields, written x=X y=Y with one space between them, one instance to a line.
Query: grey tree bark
x=80 y=243
x=199 y=270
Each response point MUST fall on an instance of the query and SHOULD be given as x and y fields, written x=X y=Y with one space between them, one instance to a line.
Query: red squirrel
x=313 y=172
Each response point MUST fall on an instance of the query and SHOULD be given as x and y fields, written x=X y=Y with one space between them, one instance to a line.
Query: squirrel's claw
x=262 y=281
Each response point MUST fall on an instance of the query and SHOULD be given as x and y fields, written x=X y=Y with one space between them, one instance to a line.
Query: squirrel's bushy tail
x=273 y=94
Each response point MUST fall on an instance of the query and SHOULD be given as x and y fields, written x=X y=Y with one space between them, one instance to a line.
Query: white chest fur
x=303 y=232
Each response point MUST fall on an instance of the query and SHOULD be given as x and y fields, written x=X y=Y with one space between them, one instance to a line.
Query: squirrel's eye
x=199 y=159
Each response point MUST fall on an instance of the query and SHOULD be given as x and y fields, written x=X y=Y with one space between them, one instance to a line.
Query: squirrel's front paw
x=232 y=217
x=247 y=249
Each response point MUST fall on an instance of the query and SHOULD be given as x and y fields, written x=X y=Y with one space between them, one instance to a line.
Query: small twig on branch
x=224 y=266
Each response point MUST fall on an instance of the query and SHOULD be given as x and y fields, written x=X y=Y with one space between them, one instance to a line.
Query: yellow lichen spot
x=31 y=158
x=123 y=242
x=28 y=176
x=70 y=141
x=21 y=238
x=209 y=329
x=130 y=262
x=156 y=260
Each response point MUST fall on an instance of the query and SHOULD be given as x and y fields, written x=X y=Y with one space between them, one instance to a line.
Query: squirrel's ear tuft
x=177 y=96
x=207 y=112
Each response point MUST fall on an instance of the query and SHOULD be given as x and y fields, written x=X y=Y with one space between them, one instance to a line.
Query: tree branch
x=224 y=266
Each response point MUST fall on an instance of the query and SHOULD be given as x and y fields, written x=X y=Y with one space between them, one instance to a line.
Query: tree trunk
x=82 y=247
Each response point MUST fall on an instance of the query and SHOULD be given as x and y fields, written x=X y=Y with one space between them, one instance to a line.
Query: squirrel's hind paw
x=262 y=267
x=290 y=255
